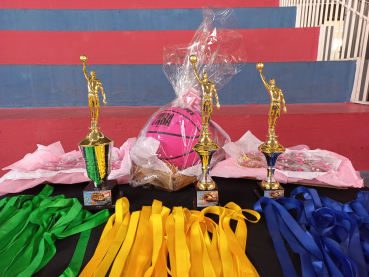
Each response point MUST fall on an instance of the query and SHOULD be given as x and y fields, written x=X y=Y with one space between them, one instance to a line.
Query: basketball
x=193 y=59
x=259 y=66
x=177 y=130
x=83 y=58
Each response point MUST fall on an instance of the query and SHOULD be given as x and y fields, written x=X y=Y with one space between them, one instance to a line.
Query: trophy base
x=206 y=198
x=269 y=193
x=108 y=196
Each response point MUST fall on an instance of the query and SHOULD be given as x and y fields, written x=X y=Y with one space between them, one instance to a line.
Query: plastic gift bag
x=298 y=164
x=162 y=155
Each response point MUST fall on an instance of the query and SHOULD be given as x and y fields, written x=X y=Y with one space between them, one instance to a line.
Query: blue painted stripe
x=136 y=20
x=23 y=86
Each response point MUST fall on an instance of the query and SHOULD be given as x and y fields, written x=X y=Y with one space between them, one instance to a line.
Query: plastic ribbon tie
x=30 y=225
x=331 y=238
x=139 y=244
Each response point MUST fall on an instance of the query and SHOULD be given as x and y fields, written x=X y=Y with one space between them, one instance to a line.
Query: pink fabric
x=9 y=186
x=40 y=157
x=345 y=177
x=35 y=163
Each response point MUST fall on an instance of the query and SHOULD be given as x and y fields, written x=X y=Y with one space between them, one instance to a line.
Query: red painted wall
x=146 y=47
x=334 y=127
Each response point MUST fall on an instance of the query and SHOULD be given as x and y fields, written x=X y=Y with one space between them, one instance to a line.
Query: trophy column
x=96 y=149
x=271 y=149
x=270 y=187
x=206 y=189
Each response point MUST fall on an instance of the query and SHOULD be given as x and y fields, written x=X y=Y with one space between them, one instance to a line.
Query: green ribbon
x=30 y=225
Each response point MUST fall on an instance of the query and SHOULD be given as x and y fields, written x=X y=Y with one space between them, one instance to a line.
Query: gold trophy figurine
x=96 y=149
x=271 y=148
x=205 y=147
x=93 y=86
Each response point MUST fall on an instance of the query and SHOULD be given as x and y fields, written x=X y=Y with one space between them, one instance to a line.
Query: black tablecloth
x=259 y=249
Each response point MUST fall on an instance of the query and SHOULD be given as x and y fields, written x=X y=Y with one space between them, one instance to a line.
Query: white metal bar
x=306 y=13
x=333 y=56
x=356 y=89
x=330 y=18
x=302 y=24
x=337 y=54
x=350 y=38
x=359 y=33
x=345 y=31
x=314 y=18
x=326 y=14
x=320 y=21
x=310 y=15
x=298 y=17
x=362 y=42
x=361 y=102
x=360 y=71
x=321 y=42
x=353 y=9
x=363 y=53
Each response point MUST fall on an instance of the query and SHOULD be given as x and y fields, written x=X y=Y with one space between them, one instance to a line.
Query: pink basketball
x=177 y=130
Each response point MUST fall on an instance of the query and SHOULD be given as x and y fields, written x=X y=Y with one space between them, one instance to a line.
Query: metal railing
x=344 y=28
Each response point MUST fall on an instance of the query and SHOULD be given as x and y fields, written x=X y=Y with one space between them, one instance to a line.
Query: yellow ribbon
x=139 y=244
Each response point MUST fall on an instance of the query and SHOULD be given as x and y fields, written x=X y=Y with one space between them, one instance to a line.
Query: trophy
x=206 y=188
x=96 y=149
x=271 y=148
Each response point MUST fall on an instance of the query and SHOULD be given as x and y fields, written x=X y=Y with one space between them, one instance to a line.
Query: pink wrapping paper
x=346 y=176
x=10 y=186
x=34 y=168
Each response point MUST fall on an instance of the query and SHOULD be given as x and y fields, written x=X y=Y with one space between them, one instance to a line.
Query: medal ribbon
x=30 y=225
x=139 y=244
x=331 y=238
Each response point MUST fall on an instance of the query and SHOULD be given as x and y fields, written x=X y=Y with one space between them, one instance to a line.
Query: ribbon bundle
x=29 y=226
x=331 y=238
x=139 y=243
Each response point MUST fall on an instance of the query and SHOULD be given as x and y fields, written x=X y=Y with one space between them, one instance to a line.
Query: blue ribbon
x=331 y=238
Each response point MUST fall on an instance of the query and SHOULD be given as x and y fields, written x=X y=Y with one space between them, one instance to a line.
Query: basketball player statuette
x=205 y=147
x=93 y=86
x=96 y=149
x=271 y=148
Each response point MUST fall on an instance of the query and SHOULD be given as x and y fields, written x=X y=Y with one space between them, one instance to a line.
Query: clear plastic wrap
x=162 y=155
x=293 y=160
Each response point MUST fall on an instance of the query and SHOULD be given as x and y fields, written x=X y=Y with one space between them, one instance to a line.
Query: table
x=259 y=249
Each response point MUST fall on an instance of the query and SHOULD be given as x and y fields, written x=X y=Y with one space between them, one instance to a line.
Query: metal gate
x=343 y=34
